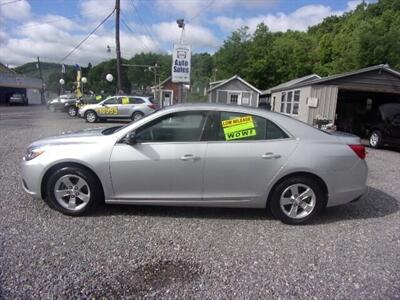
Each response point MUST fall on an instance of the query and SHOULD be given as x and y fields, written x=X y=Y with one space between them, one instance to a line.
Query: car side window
x=176 y=127
x=110 y=101
x=234 y=126
x=136 y=101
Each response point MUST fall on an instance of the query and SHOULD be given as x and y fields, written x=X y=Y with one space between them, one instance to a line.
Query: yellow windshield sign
x=238 y=128
x=125 y=100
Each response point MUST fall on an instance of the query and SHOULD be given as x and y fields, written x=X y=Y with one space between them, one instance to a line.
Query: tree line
x=366 y=36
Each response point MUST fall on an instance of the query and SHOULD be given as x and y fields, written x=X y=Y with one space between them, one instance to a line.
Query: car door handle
x=189 y=157
x=270 y=155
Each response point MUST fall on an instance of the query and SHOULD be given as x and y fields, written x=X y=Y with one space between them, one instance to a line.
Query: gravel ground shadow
x=376 y=204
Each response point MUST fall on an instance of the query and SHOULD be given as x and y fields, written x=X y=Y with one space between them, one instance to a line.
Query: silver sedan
x=200 y=155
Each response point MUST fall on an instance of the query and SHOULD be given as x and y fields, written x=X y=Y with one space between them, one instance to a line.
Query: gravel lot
x=351 y=252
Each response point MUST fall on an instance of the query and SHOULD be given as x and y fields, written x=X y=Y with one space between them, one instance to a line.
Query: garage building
x=345 y=100
x=12 y=82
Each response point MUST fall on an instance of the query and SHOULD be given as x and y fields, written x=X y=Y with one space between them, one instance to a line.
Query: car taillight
x=152 y=106
x=359 y=150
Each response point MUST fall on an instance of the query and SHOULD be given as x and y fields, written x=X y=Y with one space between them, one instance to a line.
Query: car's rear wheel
x=72 y=111
x=90 y=116
x=137 y=116
x=375 y=139
x=73 y=191
x=296 y=200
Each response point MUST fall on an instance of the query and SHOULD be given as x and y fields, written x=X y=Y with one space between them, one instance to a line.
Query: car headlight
x=31 y=153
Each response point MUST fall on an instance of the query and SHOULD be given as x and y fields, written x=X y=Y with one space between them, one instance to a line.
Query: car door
x=246 y=153
x=395 y=124
x=124 y=107
x=109 y=108
x=166 y=163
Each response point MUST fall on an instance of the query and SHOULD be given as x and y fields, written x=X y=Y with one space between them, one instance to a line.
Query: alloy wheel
x=72 y=192
x=137 y=116
x=72 y=111
x=91 y=117
x=297 y=201
x=374 y=139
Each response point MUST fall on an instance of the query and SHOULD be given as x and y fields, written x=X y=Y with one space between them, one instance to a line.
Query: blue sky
x=51 y=28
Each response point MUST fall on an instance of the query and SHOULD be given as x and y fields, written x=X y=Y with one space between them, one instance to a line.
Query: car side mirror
x=130 y=138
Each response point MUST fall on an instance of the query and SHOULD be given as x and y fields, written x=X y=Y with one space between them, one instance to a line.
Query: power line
x=146 y=27
x=88 y=36
x=131 y=30
x=9 y=2
x=201 y=10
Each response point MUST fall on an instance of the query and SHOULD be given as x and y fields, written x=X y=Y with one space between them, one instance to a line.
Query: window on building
x=296 y=102
x=290 y=102
x=283 y=102
x=234 y=99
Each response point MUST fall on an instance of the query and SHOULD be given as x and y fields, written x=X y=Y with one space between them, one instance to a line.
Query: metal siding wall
x=327 y=99
x=222 y=97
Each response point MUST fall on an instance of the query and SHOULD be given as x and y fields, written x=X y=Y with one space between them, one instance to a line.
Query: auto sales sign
x=181 y=63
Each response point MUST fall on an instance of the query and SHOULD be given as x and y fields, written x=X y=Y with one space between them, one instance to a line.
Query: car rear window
x=244 y=127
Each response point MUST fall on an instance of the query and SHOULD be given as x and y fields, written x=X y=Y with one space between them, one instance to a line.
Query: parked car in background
x=200 y=155
x=61 y=103
x=118 y=107
x=18 y=99
x=384 y=125
x=73 y=107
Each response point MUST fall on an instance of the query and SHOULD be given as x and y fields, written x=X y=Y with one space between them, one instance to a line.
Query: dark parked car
x=18 y=98
x=384 y=125
x=72 y=108
x=61 y=103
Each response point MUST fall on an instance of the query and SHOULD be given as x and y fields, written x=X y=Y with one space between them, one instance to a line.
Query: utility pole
x=117 y=45
x=41 y=78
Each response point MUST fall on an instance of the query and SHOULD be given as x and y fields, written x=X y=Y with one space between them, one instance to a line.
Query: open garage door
x=357 y=110
x=7 y=92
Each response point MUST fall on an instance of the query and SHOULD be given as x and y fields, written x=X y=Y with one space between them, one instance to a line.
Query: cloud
x=99 y=9
x=52 y=41
x=300 y=19
x=194 y=8
x=18 y=11
x=196 y=35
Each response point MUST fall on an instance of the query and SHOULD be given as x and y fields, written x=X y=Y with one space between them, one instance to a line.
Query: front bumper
x=31 y=172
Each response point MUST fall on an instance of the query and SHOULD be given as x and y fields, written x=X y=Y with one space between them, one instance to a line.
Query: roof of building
x=287 y=85
x=220 y=83
x=5 y=69
x=292 y=82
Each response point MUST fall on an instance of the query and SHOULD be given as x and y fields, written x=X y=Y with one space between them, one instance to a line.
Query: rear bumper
x=349 y=185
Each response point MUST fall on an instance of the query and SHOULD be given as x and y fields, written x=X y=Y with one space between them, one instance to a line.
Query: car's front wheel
x=375 y=139
x=72 y=111
x=91 y=116
x=137 y=116
x=296 y=200
x=73 y=191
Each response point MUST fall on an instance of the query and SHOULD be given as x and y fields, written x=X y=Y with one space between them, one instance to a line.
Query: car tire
x=375 y=139
x=91 y=116
x=137 y=116
x=52 y=108
x=288 y=205
x=73 y=191
x=72 y=111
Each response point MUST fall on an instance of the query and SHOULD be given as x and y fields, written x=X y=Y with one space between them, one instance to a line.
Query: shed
x=343 y=99
x=11 y=82
x=234 y=90
x=171 y=93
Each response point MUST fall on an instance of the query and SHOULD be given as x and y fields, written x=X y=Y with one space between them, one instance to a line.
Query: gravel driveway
x=351 y=252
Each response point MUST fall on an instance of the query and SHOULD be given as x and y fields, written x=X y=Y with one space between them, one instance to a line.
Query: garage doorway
x=356 y=109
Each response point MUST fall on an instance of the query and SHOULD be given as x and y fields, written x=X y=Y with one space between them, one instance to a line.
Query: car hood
x=85 y=136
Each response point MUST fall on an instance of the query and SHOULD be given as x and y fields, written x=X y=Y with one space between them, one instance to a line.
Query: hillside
x=30 y=69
